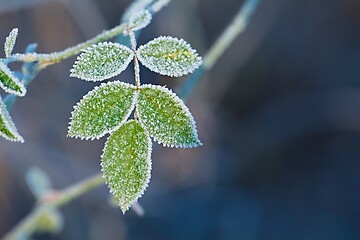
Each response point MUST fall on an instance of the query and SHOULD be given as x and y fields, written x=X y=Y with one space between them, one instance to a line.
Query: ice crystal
x=166 y=118
x=169 y=56
x=7 y=126
x=102 y=61
x=102 y=110
x=140 y=20
x=10 y=42
x=9 y=82
x=126 y=163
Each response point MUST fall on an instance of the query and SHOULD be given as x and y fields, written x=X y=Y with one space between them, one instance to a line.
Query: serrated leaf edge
x=8 y=72
x=95 y=79
x=10 y=42
x=186 y=111
x=9 y=124
x=181 y=41
x=91 y=93
x=148 y=173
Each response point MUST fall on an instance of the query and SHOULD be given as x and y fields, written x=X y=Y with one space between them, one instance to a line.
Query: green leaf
x=126 y=163
x=7 y=126
x=166 y=118
x=102 y=61
x=9 y=82
x=169 y=56
x=139 y=20
x=102 y=110
x=10 y=42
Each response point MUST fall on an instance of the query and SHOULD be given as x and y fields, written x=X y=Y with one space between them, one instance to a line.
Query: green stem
x=52 y=58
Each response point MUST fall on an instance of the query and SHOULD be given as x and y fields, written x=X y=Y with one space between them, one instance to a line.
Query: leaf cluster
x=158 y=112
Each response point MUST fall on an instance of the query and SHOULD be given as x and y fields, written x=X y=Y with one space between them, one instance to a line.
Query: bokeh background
x=279 y=116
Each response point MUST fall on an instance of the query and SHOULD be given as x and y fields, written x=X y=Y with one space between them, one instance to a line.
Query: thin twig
x=55 y=57
x=237 y=26
x=28 y=224
x=51 y=201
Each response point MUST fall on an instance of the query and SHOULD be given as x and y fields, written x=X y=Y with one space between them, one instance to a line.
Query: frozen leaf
x=7 y=126
x=102 y=61
x=126 y=163
x=9 y=82
x=10 y=42
x=102 y=110
x=166 y=118
x=169 y=56
x=140 y=20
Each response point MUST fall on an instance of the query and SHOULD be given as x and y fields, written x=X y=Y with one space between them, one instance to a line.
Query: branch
x=237 y=26
x=51 y=201
x=29 y=224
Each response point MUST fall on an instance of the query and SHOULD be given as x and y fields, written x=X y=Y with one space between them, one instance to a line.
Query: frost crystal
x=140 y=20
x=102 y=110
x=126 y=163
x=102 y=61
x=166 y=118
x=169 y=56
x=7 y=126
x=10 y=42
x=9 y=82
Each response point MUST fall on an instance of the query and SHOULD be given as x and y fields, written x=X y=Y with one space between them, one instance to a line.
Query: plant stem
x=52 y=58
x=51 y=201
x=136 y=62
x=237 y=26
x=157 y=6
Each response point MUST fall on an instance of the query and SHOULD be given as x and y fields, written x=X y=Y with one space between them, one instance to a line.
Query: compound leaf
x=9 y=82
x=10 y=42
x=7 y=126
x=126 y=163
x=140 y=20
x=169 y=56
x=102 y=61
x=166 y=118
x=102 y=110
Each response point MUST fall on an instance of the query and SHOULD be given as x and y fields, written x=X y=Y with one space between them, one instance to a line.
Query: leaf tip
x=9 y=82
x=10 y=42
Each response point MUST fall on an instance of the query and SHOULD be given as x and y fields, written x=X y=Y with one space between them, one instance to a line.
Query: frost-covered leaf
x=126 y=163
x=102 y=110
x=140 y=20
x=102 y=61
x=7 y=126
x=169 y=56
x=9 y=82
x=166 y=118
x=10 y=42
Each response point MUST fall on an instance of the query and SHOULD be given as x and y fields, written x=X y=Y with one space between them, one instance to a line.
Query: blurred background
x=279 y=116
